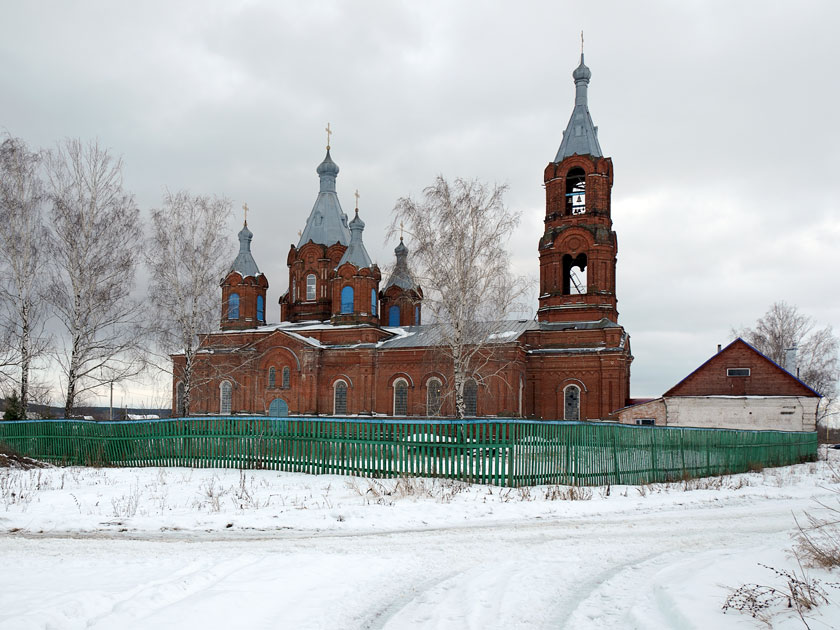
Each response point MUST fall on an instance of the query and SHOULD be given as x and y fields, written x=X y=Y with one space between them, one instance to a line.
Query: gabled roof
x=719 y=357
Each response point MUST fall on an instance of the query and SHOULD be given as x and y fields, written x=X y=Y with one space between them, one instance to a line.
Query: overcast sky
x=720 y=117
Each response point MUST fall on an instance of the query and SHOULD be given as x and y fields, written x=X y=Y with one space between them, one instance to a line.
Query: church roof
x=244 y=263
x=401 y=275
x=581 y=135
x=356 y=254
x=327 y=223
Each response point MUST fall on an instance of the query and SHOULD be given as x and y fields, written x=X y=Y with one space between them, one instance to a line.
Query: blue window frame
x=260 y=308
x=394 y=316
x=347 y=300
x=416 y=315
x=373 y=302
x=233 y=306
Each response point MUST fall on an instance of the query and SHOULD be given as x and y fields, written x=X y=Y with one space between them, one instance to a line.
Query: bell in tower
x=578 y=248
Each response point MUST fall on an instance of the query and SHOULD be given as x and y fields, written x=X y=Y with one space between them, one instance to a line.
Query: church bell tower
x=578 y=248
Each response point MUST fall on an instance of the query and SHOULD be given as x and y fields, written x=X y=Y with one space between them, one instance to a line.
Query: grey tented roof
x=581 y=135
x=327 y=223
x=356 y=254
x=244 y=263
x=401 y=275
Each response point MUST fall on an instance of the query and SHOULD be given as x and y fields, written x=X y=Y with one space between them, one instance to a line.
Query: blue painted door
x=278 y=408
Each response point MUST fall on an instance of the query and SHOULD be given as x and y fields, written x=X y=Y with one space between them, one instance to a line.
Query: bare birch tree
x=783 y=327
x=95 y=240
x=22 y=257
x=458 y=234
x=817 y=361
x=187 y=255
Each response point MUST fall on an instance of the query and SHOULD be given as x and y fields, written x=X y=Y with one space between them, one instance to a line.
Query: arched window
x=233 y=306
x=286 y=377
x=417 y=315
x=310 y=287
x=575 y=191
x=394 y=316
x=571 y=403
x=260 y=308
x=294 y=290
x=433 y=397
x=180 y=409
x=347 y=300
x=400 y=397
x=225 y=391
x=574 y=283
x=340 y=398
x=272 y=378
x=373 y=302
x=471 y=398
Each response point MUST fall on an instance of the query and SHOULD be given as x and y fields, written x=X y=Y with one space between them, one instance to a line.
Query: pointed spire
x=401 y=275
x=327 y=223
x=356 y=254
x=580 y=137
x=244 y=264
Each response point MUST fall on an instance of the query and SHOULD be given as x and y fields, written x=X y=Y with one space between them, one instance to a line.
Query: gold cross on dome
x=357 y=198
x=245 y=208
x=329 y=133
x=401 y=230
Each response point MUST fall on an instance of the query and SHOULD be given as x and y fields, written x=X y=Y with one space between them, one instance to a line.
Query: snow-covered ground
x=176 y=548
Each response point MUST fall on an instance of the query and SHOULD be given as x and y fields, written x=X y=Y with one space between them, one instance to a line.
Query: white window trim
x=314 y=287
x=730 y=375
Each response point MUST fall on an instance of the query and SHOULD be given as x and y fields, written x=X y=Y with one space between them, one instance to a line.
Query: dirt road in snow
x=654 y=565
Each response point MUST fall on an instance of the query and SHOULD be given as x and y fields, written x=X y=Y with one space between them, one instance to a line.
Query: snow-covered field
x=183 y=548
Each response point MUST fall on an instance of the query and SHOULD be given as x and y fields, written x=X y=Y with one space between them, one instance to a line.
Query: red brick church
x=348 y=344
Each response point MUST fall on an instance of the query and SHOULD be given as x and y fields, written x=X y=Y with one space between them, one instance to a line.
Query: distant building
x=737 y=388
x=348 y=345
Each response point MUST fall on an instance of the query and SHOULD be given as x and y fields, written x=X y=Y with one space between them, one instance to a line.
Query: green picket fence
x=499 y=452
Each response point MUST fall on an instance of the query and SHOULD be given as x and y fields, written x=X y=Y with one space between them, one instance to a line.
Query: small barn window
x=340 y=398
x=737 y=371
x=225 y=391
x=400 y=397
x=645 y=422
x=233 y=306
x=285 y=377
x=347 y=300
x=272 y=378
x=471 y=398
x=571 y=403
x=433 y=397
x=260 y=308
x=310 y=287
x=394 y=316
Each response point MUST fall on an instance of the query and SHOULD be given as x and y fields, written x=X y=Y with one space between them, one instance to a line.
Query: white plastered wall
x=781 y=413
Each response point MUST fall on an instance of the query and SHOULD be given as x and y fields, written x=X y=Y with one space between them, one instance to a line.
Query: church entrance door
x=278 y=408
